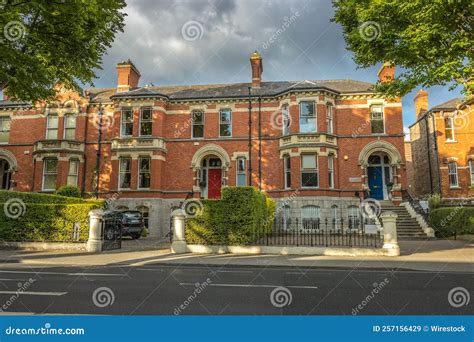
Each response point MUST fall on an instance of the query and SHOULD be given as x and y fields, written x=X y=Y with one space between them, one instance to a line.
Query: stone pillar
x=178 y=245
x=390 y=242
x=94 y=243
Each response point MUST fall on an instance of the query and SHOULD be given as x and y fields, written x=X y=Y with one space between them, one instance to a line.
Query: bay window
x=126 y=122
x=144 y=172
x=307 y=117
x=146 y=121
x=309 y=170
x=50 y=174
x=125 y=173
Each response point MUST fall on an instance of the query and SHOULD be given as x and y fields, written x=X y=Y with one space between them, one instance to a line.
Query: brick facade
x=176 y=158
x=442 y=138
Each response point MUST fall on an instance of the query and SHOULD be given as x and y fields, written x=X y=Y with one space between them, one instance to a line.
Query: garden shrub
x=452 y=220
x=69 y=191
x=43 y=217
x=242 y=216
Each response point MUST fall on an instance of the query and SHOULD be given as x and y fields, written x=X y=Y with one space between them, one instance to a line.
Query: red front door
x=214 y=183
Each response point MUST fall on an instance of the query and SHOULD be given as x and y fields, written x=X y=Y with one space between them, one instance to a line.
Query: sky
x=176 y=42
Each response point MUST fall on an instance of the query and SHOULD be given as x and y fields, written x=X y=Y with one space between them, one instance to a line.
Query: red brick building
x=442 y=141
x=318 y=142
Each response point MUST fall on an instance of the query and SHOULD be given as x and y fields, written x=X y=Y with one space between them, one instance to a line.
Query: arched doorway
x=211 y=177
x=379 y=174
x=5 y=174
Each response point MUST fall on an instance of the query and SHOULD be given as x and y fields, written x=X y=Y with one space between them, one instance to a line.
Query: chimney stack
x=257 y=69
x=127 y=76
x=421 y=102
x=386 y=72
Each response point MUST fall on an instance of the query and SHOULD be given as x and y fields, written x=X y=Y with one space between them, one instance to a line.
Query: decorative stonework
x=138 y=144
x=380 y=146
x=207 y=150
x=10 y=158
x=56 y=146
x=308 y=140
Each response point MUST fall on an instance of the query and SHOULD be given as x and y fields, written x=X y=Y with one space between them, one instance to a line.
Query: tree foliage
x=431 y=41
x=45 y=42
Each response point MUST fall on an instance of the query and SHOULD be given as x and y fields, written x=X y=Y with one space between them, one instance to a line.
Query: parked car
x=131 y=222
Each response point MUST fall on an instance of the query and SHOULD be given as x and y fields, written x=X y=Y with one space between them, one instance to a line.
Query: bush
x=450 y=221
x=69 y=191
x=434 y=201
x=242 y=216
x=42 y=217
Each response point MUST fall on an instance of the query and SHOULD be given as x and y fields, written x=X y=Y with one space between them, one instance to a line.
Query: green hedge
x=43 y=217
x=455 y=220
x=242 y=216
x=69 y=191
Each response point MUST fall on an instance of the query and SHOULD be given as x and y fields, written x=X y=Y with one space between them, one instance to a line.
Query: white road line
x=1 y=279
x=64 y=273
x=31 y=293
x=253 y=285
x=234 y=271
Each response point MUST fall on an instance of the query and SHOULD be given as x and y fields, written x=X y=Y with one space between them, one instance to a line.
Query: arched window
x=335 y=220
x=310 y=217
x=145 y=211
x=353 y=217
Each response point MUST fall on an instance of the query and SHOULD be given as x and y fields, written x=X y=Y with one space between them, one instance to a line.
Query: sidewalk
x=438 y=255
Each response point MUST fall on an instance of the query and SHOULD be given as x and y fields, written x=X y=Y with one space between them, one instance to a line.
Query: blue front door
x=375 y=182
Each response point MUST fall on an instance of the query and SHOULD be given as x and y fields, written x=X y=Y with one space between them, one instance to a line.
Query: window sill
x=455 y=188
x=311 y=187
x=450 y=141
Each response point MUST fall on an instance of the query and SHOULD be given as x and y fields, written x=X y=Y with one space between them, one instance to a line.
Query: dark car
x=131 y=221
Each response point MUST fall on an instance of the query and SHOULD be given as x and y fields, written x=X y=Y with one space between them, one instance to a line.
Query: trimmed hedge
x=69 y=191
x=450 y=221
x=242 y=216
x=42 y=217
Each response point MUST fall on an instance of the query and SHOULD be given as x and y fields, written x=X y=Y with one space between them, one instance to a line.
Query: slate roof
x=449 y=105
x=215 y=91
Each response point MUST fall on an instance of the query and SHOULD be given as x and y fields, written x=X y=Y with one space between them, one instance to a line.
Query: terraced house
x=320 y=143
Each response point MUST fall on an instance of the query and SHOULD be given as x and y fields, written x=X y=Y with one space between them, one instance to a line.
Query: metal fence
x=111 y=229
x=325 y=232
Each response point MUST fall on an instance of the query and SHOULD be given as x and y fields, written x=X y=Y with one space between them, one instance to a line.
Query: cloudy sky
x=209 y=41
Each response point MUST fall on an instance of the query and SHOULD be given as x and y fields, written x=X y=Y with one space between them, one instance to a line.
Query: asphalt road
x=200 y=290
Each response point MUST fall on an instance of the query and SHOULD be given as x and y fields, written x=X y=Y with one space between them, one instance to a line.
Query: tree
x=49 y=42
x=431 y=41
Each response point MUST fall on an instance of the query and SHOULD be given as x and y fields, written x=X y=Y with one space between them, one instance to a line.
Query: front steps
x=408 y=228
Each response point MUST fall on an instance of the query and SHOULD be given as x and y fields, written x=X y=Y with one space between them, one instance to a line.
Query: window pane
x=241 y=165
x=125 y=165
x=198 y=131
x=146 y=114
x=51 y=166
x=241 y=180
x=49 y=182
x=225 y=116
x=125 y=180
x=448 y=122
x=72 y=180
x=52 y=121
x=307 y=109
x=377 y=126
x=145 y=128
x=286 y=120
x=4 y=136
x=225 y=130
x=144 y=164
x=144 y=180
x=70 y=134
x=309 y=179
x=309 y=161
x=73 y=164
x=198 y=116
x=52 y=134
x=70 y=121
x=127 y=115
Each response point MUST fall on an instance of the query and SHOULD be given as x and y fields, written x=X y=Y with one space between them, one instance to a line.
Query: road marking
x=234 y=271
x=253 y=285
x=64 y=273
x=31 y=293
x=14 y=279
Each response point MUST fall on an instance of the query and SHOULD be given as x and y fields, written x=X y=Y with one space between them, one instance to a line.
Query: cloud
x=307 y=44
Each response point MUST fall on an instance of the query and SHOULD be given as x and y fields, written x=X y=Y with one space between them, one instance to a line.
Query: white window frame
x=67 y=128
x=382 y=112
x=123 y=122
x=285 y=119
x=287 y=171
x=331 y=171
x=315 y=116
x=48 y=129
x=335 y=220
x=330 y=118
x=237 y=172
x=5 y=131
x=141 y=172
x=124 y=172
x=471 y=171
x=453 y=173
x=451 y=120
x=224 y=123
x=75 y=174
x=315 y=170
x=45 y=173
x=353 y=211
x=193 y=123
x=141 y=121
x=312 y=208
